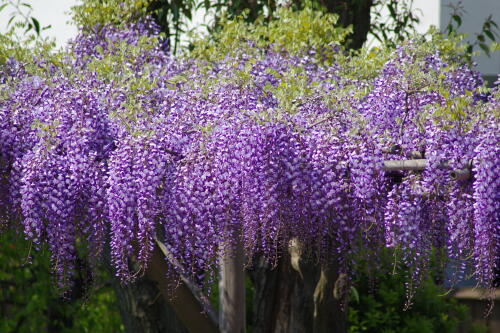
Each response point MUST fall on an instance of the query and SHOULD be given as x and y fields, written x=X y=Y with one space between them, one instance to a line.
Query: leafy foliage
x=291 y=32
x=171 y=16
x=391 y=21
x=378 y=308
x=23 y=36
x=398 y=25
x=29 y=302
x=93 y=14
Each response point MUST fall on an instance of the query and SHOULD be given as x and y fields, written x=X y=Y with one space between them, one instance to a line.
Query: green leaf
x=457 y=19
x=29 y=27
x=36 y=24
x=3 y=6
x=10 y=20
x=485 y=48
x=355 y=294
x=489 y=34
x=392 y=11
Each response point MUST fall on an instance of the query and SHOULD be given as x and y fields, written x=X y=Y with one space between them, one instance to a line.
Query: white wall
x=48 y=12
x=476 y=12
x=429 y=12
x=438 y=13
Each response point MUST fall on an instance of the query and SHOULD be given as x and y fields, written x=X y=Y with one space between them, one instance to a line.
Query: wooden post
x=232 y=287
x=188 y=303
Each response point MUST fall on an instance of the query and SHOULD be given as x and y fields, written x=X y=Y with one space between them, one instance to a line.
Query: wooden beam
x=188 y=302
x=476 y=294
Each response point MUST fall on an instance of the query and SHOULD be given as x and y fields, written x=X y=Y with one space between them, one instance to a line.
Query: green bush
x=378 y=304
x=30 y=302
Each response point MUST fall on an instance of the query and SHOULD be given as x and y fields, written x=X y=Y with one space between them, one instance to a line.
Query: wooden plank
x=475 y=294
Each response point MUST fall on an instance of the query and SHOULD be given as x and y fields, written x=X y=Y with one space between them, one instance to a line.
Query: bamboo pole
x=421 y=164
x=405 y=165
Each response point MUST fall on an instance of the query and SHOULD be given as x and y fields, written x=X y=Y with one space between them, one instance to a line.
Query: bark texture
x=296 y=296
x=143 y=309
x=157 y=303
x=350 y=12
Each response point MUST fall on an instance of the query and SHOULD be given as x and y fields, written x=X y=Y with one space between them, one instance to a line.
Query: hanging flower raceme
x=126 y=143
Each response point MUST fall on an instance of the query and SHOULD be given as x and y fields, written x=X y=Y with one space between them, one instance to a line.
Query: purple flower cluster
x=201 y=156
x=486 y=202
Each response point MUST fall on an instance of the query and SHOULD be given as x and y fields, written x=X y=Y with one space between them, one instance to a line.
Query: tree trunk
x=296 y=296
x=141 y=305
x=156 y=303
x=143 y=309
x=350 y=12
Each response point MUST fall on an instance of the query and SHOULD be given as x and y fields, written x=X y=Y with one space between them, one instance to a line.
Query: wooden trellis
x=193 y=308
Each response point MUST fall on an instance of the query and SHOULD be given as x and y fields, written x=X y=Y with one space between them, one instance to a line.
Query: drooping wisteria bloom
x=125 y=143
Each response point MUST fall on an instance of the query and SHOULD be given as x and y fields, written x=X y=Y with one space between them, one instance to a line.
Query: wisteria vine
x=198 y=154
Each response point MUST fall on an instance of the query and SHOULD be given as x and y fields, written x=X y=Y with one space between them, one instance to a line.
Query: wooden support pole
x=188 y=303
x=232 y=288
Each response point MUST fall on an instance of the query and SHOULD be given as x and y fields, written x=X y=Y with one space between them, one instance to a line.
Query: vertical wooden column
x=232 y=288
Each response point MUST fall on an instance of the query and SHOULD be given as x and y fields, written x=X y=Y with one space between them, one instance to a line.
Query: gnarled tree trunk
x=152 y=304
x=296 y=296
x=143 y=309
